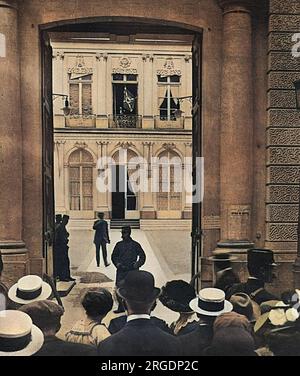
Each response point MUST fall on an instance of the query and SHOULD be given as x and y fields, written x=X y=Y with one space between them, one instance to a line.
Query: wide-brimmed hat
x=243 y=305
x=211 y=302
x=29 y=289
x=138 y=286
x=18 y=336
x=176 y=295
x=221 y=255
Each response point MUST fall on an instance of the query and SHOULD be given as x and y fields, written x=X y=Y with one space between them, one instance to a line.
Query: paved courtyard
x=167 y=258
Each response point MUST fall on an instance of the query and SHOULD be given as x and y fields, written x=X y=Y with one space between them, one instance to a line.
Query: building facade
x=124 y=99
x=249 y=138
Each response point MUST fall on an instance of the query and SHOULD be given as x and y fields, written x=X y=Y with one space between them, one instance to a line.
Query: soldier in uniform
x=101 y=238
x=63 y=261
x=127 y=255
x=260 y=263
x=225 y=277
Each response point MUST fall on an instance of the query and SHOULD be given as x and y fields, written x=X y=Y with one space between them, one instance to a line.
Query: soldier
x=58 y=219
x=101 y=238
x=225 y=276
x=62 y=240
x=260 y=263
x=127 y=255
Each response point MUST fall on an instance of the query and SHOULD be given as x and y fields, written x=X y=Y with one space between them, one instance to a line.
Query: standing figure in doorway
x=101 y=238
x=127 y=255
x=58 y=219
x=62 y=238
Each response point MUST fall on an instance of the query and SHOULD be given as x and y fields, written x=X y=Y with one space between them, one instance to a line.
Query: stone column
x=148 y=211
x=102 y=121
x=11 y=244
x=102 y=197
x=236 y=125
x=148 y=119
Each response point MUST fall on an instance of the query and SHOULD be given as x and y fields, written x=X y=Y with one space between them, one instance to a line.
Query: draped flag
x=129 y=100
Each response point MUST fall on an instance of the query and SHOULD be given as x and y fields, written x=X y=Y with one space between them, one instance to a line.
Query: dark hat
x=43 y=313
x=176 y=295
x=66 y=216
x=260 y=257
x=138 y=286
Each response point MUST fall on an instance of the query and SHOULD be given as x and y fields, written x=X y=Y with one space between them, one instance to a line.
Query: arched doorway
x=128 y=26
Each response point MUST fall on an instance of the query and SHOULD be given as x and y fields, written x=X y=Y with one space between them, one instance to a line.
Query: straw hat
x=18 y=336
x=28 y=289
x=211 y=302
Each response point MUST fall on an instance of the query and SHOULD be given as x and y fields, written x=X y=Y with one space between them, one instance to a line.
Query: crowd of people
x=232 y=318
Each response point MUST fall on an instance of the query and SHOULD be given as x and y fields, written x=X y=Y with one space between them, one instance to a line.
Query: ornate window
x=170 y=181
x=81 y=180
x=168 y=88
x=80 y=89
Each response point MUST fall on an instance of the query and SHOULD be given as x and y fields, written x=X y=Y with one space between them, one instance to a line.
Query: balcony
x=124 y=121
x=177 y=123
x=80 y=121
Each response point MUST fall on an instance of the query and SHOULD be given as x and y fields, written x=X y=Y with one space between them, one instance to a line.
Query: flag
x=128 y=101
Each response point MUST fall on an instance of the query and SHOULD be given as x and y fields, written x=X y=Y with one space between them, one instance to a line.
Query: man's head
x=65 y=219
x=97 y=303
x=46 y=315
x=261 y=264
x=126 y=232
x=100 y=215
x=58 y=218
x=138 y=291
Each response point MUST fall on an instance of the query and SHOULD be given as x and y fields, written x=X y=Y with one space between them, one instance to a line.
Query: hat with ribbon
x=18 y=336
x=211 y=302
x=29 y=289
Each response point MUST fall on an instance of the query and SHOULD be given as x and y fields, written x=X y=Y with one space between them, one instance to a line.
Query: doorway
x=125 y=91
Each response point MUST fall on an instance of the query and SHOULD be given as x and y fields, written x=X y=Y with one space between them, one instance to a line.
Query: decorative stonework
x=279 y=6
x=80 y=68
x=284 y=136
x=284 y=118
x=168 y=69
x=282 y=98
x=282 y=213
x=283 y=133
x=284 y=155
x=283 y=61
x=58 y=55
x=80 y=145
x=169 y=146
x=125 y=144
x=101 y=56
x=283 y=194
x=281 y=22
x=284 y=174
x=147 y=57
x=283 y=80
x=282 y=232
x=124 y=66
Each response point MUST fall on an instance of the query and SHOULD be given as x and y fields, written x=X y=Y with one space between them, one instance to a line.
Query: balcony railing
x=124 y=121
x=81 y=121
x=160 y=123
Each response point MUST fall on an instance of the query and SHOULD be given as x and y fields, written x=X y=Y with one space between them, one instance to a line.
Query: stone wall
x=283 y=128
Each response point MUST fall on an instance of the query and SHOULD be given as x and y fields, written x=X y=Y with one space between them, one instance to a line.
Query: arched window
x=81 y=180
x=169 y=195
